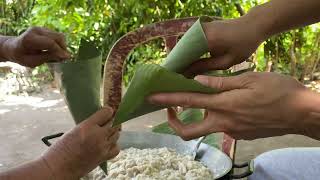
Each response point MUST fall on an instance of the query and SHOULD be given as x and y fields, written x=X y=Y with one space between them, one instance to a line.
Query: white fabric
x=288 y=164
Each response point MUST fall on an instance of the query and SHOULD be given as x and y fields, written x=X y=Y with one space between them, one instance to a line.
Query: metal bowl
x=217 y=161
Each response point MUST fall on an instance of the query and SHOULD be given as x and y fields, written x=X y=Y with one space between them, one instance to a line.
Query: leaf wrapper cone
x=189 y=49
x=79 y=82
x=150 y=79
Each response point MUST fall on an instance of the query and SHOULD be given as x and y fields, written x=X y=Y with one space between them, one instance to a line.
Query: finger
x=108 y=126
x=43 y=43
x=102 y=117
x=33 y=61
x=38 y=59
x=221 y=101
x=59 y=38
x=215 y=63
x=110 y=131
x=195 y=100
x=188 y=131
x=113 y=139
x=222 y=83
x=113 y=151
x=38 y=42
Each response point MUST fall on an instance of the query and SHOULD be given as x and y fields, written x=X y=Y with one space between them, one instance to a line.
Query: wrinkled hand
x=35 y=47
x=84 y=147
x=250 y=106
x=230 y=42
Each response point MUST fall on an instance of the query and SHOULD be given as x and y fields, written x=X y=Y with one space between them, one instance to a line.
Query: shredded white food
x=153 y=164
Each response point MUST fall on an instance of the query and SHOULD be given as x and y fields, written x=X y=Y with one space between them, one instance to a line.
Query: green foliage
x=152 y=52
x=76 y=18
x=41 y=74
x=294 y=52
x=14 y=16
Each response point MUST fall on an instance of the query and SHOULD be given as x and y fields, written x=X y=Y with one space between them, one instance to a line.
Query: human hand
x=230 y=42
x=83 y=148
x=250 y=106
x=35 y=47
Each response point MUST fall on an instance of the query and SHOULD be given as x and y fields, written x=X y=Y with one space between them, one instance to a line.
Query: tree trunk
x=315 y=56
x=239 y=9
x=276 y=58
x=293 y=56
x=315 y=65
x=293 y=62
x=3 y=8
x=305 y=70
x=3 y=15
x=30 y=5
x=90 y=4
x=253 y=58
x=269 y=65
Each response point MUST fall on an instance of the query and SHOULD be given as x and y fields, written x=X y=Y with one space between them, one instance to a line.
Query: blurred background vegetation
x=294 y=53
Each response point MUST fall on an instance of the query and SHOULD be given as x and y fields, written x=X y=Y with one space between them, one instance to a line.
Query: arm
x=36 y=170
x=34 y=47
x=311 y=121
x=282 y=15
x=75 y=154
x=3 y=54
x=233 y=41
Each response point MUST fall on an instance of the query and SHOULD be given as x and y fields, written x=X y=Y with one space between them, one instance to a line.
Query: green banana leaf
x=150 y=79
x=79 y=81
x=189 y=49
x=187 y=116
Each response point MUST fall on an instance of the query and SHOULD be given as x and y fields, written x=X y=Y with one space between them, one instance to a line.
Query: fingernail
x=108 y=108
x=202 y=79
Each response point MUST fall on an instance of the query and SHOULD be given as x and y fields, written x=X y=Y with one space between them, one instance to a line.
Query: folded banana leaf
x=187 y=116
x=150 y=79
x=79 y=81
x=192 y=45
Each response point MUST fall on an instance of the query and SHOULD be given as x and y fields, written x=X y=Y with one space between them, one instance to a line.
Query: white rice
x=153 y=164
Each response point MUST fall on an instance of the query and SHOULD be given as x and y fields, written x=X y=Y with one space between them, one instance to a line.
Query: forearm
x=310 y=123
x=3 y=49
x=34 y=170
x=278 y=16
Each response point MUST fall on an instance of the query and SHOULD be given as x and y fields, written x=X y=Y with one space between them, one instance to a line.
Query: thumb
x=102 y=117
x=189 y=131
x=221 y=83
x=207 y=64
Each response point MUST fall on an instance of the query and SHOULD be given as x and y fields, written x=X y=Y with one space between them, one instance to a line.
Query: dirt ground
x=25 y=120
